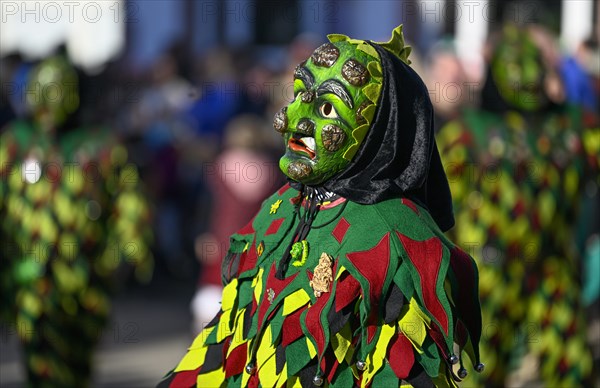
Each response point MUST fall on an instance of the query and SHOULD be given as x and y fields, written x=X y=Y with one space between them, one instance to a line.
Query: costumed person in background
x=345 y=276
x=71 y=213
x=239 y=179
x=518 y=169
x=447 y=82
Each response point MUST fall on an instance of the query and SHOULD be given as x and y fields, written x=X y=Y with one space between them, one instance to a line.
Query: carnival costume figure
x=520 y=169
x=72 y=217
x=345 y=275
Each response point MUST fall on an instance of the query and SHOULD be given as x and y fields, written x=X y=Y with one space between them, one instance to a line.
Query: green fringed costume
x=344 y=276
x=71 y=213
x=518 y=175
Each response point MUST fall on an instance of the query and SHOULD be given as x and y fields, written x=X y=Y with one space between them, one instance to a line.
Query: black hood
x=399 y=156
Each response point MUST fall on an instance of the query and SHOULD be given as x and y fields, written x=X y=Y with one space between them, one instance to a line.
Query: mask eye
x=328 y=111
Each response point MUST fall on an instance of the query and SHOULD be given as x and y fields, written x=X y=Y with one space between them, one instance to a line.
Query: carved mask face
x=335 y=92
x=518 y=70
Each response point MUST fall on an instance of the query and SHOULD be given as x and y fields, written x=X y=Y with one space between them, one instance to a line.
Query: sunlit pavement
x=148 y=335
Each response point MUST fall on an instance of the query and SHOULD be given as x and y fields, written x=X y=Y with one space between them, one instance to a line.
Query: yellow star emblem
x=275 y=206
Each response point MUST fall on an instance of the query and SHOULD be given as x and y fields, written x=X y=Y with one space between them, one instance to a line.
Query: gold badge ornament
x=323 y=276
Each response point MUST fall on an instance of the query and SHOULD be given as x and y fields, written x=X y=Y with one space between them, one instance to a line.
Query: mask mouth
x=303 y=144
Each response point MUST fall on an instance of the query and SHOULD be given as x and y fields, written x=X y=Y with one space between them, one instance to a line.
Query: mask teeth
x=309 y=142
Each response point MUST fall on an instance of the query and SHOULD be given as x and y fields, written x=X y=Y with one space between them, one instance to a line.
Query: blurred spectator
x=448 y=85
x=239 y=179
x=14 y=72
x=255 y=90
x=156 y=118
x=219 y=95
x=580 y=73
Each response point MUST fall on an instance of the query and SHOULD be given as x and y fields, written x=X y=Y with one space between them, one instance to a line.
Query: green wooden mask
x=53 y=91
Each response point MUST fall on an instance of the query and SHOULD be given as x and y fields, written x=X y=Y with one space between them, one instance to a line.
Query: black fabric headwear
x=399 y=156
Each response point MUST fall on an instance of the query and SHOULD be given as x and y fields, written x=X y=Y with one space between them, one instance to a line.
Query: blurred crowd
x=199 y=131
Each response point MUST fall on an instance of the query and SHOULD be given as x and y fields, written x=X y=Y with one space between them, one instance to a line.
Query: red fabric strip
x=347 y=290
x=277 y=286
x=340 y=229
x=373 y=266
x=248 y=228
x=274 y=227
x=248 y=258
x=410 y=204
x=400 y=355
x=291 y=328
x=236 y=362
x=283 y=189
x=185 y=379
x=426 y=257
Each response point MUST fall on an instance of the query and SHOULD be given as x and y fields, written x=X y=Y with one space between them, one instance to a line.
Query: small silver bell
x=479 y=367
x=251 y=369
x=361 y=365
x=318 y=380
x=453 y=359
x=462 y=373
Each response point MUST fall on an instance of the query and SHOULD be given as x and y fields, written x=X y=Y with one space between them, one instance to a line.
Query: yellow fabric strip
x=376 y=358
x=265 y=360
x=193 y=359
x=215 y=379
x=265 y=349
x=257 y=284
x=238 y=338
x=340 y=343
x=294 y=301
x=294 y=382
x=413 y=324
x=283 y=376
x=340 y=272
x=224 y=329
x=229 y=295
x=200 y=338
x=311 y=348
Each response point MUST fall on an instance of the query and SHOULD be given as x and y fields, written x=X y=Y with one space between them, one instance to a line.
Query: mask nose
x=297 y=109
